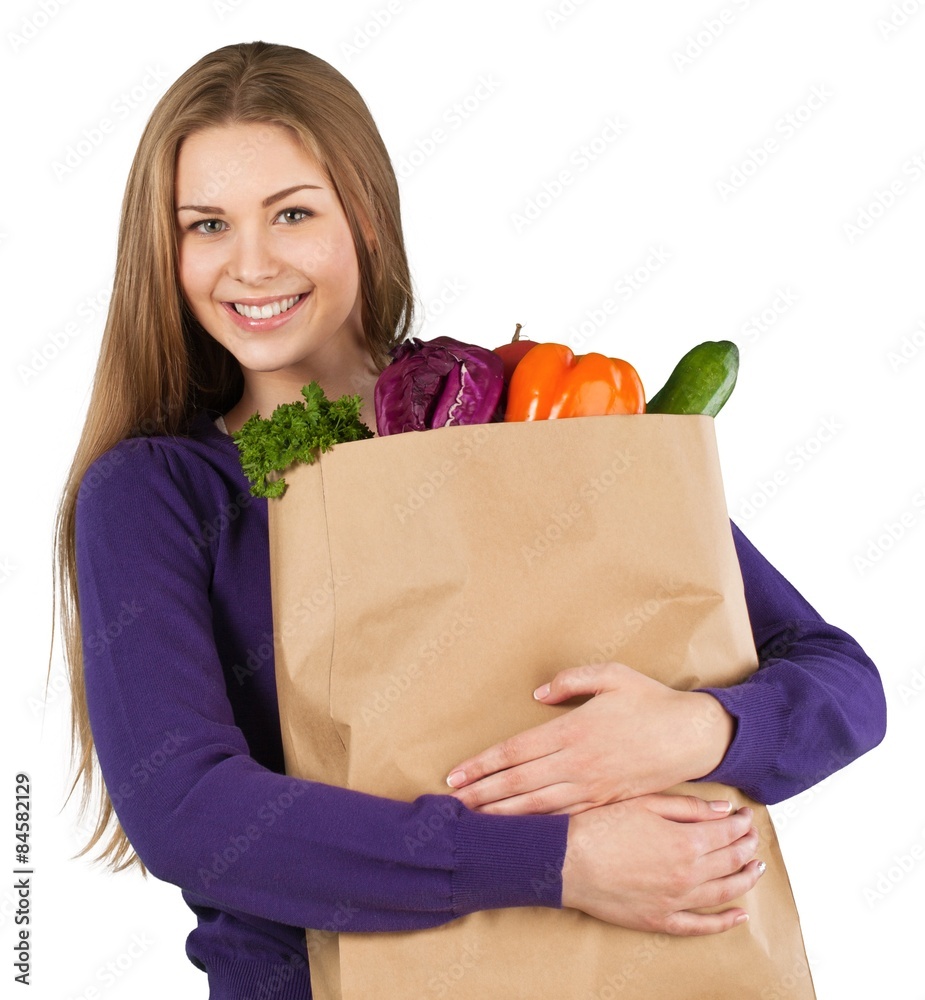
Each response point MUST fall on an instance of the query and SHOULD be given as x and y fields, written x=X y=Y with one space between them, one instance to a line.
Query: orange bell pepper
x=551 y=381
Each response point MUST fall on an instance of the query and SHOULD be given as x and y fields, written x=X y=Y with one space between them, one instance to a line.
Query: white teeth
x=270 y=309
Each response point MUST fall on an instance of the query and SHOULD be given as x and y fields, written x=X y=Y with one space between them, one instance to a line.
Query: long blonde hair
x=157 y=367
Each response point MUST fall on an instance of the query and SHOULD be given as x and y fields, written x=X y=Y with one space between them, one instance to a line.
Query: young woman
x=260 y=248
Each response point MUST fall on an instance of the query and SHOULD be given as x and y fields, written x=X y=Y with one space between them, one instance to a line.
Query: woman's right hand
x=648 y=862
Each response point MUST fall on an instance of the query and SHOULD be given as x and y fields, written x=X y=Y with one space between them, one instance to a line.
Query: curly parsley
x=296 y=432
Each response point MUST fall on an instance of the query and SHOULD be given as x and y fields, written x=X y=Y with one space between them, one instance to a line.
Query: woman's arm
x=242 y=839
x=198 y=809
x=815 y=704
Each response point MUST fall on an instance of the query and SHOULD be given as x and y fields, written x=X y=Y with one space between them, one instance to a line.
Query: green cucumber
x=701 y=382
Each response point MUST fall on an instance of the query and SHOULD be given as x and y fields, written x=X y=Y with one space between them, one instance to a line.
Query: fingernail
x=762 y=868
x=541 y=692
x=456 y=779
x=741 y=919
x=720 y=806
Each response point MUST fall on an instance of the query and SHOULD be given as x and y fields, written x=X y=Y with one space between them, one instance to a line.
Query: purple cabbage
x=437 y=383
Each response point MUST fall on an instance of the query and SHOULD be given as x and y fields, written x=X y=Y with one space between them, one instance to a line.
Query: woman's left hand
x=633 y=737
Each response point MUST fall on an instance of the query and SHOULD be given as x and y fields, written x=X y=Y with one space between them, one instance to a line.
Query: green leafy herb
x=296 y=432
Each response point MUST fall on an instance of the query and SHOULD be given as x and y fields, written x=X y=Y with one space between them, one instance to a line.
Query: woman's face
x=267 y=260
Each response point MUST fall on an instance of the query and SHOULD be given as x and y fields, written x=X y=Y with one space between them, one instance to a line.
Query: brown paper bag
x=425 y=583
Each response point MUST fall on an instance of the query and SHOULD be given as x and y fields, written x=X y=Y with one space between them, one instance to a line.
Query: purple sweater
x=174 y=588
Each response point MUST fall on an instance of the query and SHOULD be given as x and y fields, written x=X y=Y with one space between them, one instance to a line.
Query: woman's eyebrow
x=266 y=203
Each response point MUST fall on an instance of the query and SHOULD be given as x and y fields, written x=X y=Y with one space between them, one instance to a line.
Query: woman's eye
x=294 y=215
x=207 y=226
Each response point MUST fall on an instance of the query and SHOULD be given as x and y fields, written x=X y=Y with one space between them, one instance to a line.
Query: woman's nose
x=252 y=260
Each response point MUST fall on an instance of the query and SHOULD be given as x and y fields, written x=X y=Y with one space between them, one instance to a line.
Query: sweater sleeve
x=198 y=809
x=816 y=702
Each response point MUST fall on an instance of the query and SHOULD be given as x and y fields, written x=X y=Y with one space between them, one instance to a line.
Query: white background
x=820 y=443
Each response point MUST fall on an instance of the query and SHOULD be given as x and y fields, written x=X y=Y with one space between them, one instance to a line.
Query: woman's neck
x=268 y=393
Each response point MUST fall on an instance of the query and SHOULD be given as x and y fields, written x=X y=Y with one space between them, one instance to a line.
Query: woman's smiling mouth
x=264 y=314
x=273 y=308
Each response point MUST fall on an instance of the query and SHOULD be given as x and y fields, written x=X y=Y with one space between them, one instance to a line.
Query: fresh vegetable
x=511 y=353
x=701 y=382
x=296 y=432
x=444 y=382
x=551 y=381
x=437 y=383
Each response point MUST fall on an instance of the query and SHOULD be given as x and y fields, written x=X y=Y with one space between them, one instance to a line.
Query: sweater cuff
x=240 y=979
x=762 y=731
x=506 y=861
